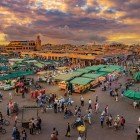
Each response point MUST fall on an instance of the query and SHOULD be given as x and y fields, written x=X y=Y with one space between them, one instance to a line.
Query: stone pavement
x=95 y=132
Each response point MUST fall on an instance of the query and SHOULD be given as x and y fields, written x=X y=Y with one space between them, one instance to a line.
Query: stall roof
x=137 y=76
x=16 y=59
x=93 y=75
x=68 y=77
x=16 y=75
x=83 y=70
x=39 y=65
x=95 y=67
x=31 y=61
x=81 y=81
x=111 y=68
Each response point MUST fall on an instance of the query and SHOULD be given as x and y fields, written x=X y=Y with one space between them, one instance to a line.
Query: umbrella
x=81 y=128
x=132 y=94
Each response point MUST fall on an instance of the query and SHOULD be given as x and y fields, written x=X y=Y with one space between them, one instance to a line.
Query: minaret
x=38 y=43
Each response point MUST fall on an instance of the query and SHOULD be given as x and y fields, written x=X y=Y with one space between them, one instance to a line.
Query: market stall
x=63 y=79
x=113 y=70
x=81 y=84
x=131 y=94
x=97 y=77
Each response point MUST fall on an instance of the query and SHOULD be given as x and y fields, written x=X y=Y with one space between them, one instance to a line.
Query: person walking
x=55 y=107
x=68 y=131
x=89 y=104
x=96 y=98
x=31 y=128
x=102 y=121
x=53 y=136
x=55 y=131
x=82 y=100
x=24 y=135
x=16 y=119
x=106 y=110
x=122 y=121
x=17 y=134
x=96 y=107
x=138 y=133
x=10 y=96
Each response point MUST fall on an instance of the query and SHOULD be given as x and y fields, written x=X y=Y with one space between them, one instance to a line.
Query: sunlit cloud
x=3 y=38
x=63 y=20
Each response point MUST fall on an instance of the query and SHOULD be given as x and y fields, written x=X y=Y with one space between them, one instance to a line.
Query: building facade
x=18 y=46
x=21 y=46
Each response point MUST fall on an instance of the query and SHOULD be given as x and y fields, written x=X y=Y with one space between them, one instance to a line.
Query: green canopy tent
x=81 y=81
x=137 y=76
x=84 y=70
x=68 y=77
x=93 y=75
x=131 y=94
x=39 y=65
x=4 y=68
x=15 y=75
x=95 y=67
x=110 y=69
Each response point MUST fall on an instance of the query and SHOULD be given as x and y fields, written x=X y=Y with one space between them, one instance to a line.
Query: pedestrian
x=89 y=117
x=10 y=96
x=55 y=131
x=7 y=110
x=79 y=138
x=102 y=121
x=96 y=107
x=14 y=133
x=68 y=131
x=135 y=104
x=53 y=136
x=96 y=98
x=122 y=121
x=16 y=118
x=55 y=107
x=138 y=133
x=82 y=100
x=75 y=110
x=89 y=104
x=24 y=135
x=17 y=134
x=31 y=128
x=38 y=126
x=106 y=110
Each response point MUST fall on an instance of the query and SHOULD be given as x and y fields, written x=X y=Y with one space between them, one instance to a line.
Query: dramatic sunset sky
x=70 y=21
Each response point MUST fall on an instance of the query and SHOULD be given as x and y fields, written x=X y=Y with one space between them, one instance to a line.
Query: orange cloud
x=3 y=39
x=124 y=38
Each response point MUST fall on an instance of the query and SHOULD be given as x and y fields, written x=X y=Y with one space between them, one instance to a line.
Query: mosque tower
x=38 y=43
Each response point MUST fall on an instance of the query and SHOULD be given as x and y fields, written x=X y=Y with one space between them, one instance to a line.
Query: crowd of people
x=84 y=113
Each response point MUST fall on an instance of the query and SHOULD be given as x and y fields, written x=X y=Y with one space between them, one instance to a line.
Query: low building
x=21 y=46
x=18 y=46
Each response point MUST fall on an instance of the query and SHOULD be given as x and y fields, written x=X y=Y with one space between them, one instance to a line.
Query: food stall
x=81 y=84
x=97 y=77
x=63 y=79
x=113 y=70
